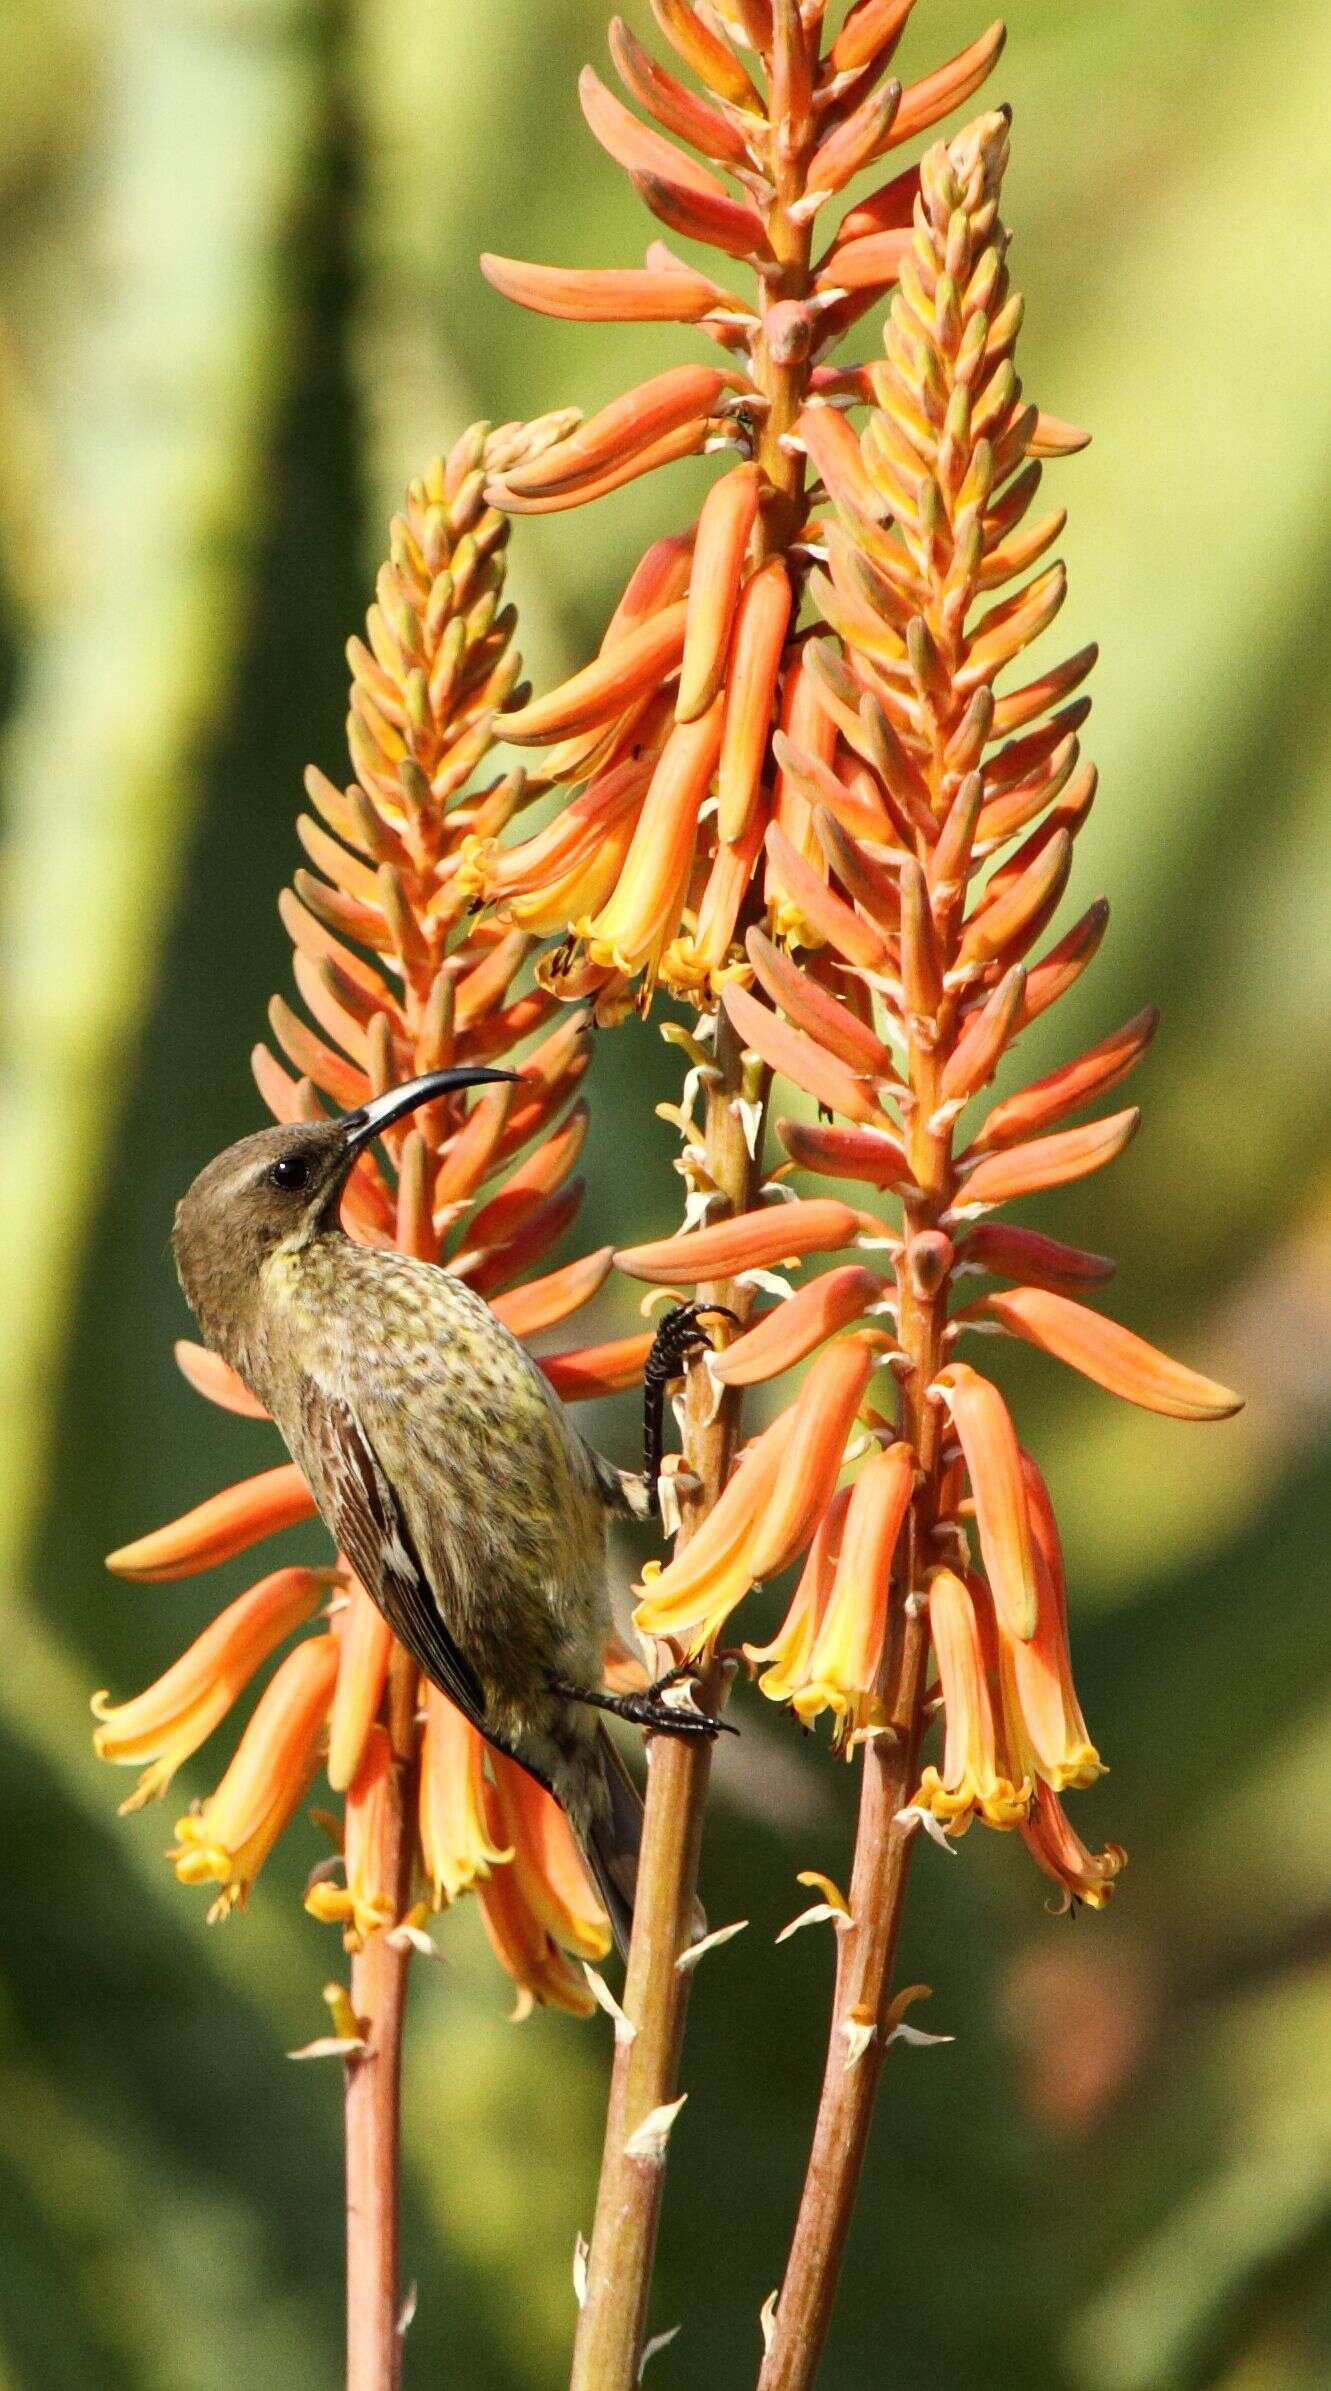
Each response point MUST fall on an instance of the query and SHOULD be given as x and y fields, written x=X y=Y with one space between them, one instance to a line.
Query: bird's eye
x=291 y=1173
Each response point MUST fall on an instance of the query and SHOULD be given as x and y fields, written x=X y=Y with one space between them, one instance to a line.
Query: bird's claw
x=679 y=1337
x=673 y=1718
x=678 y=1718
x=648 y=1709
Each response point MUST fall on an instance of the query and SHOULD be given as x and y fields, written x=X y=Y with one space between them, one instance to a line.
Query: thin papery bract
x=397 y=976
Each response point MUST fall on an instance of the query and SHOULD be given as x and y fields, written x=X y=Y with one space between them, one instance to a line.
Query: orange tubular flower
x=970 y=1783
x=228 y=1838
x=907 y=828
x=457 y=1845
x=1042 y=1715
x=165 y=1725
x=1057 y=1848
x=843 y=1664
x=367 y=1902
x=398 y=977
x=771 y=1507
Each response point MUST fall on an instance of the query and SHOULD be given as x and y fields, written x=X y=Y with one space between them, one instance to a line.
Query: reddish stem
x=374 y=2083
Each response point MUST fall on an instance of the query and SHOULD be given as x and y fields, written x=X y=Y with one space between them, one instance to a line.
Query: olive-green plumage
x=441 y=1459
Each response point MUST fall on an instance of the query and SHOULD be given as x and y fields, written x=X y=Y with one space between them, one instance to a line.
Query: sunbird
x=442 y=1461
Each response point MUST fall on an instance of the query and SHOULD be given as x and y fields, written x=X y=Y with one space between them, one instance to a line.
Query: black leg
x=677 y=1340
x=647 y=1709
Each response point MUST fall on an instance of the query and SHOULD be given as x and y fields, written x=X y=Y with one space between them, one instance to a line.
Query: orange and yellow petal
x=844 y=1663
x=367 y=1642
x=527 y=1951
x=785 y=1661
x=458 y=1844
x=366 y=1902
x=693 y=1596
x=970 y=1783
x=770 y=1509
x=228 y=1838
x=547 y=1865
x=171 y=1719
x=642 y=915
x=1040 y=1706
x=989 y=1445
x=1055 y=1846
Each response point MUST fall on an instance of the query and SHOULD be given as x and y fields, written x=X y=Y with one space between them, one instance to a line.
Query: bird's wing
x=367 y=1520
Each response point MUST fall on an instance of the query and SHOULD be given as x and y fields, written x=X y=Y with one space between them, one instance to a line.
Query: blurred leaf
x=426 y=88
x=156 y=384
x=1159 y=2323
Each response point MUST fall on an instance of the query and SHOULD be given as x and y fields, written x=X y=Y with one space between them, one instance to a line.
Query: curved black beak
x=361 y=1127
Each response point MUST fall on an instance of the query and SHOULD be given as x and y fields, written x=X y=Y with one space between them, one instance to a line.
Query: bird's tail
x=614 y=1840
x=613 y=1845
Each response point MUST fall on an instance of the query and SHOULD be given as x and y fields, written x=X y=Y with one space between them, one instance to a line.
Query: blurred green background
x=238 y=306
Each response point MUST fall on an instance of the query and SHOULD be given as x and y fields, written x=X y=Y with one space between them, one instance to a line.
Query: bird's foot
x=649 y=1708
x=680 y=1337
x=678 y=1718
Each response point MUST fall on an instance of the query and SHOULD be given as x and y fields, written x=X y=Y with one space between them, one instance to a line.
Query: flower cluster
x=940 y=825
x=804 y=798
x=398 y=978
x=647 y=870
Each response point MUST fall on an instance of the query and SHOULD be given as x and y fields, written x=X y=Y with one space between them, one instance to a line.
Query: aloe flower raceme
x=900 y=963
x=700 y=745
x=896 y=974
x=398 y=977
x=649 y=871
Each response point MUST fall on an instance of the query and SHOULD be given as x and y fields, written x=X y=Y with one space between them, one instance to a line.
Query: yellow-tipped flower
x=366 y=1902
x=457 y=1845
x=770 y=1509
x=227 y=1838
x=539 y=1908
x=843 y=1665
x=1043 y=1716
x=1057 y=1848
x=971 y=1782
x=168 y=1722
x=362 y=1674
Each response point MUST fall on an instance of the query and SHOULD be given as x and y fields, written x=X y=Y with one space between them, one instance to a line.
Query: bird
x=447 y=1469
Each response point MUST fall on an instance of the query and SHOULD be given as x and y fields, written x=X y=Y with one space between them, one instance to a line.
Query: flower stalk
x=645 y=2070
x=884 y=1839
x=379 y=1971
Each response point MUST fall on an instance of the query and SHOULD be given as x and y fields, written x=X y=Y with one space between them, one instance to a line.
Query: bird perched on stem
x=441 y=1459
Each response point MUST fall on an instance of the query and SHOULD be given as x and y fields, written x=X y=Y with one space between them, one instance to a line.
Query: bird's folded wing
x=366 y=1518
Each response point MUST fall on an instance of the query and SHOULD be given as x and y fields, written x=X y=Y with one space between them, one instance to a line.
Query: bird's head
x=279 y=1189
